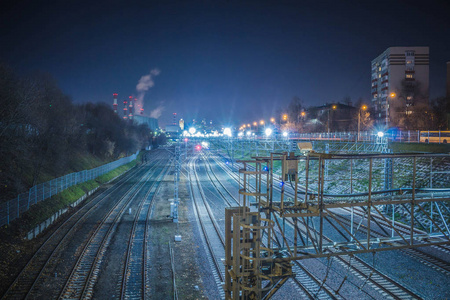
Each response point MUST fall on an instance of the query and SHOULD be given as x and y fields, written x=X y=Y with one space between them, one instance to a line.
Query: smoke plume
x=157 y=112
x=144 y=84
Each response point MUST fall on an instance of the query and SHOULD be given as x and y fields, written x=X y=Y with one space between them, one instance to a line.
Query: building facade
x=400 y=84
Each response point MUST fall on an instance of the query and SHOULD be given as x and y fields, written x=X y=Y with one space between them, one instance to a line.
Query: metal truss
x=304 y=219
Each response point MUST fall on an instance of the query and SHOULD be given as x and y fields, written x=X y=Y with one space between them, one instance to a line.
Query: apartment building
x=400 y=81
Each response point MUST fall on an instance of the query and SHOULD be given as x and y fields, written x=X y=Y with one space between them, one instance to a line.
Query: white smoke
x=157 y=112
x=144 y=84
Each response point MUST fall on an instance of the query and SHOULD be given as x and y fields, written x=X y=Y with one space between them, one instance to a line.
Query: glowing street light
x=285 y=134
x=380 y=134
x=249 y=133
x=227 y=132
x=285 y=117
x=261 y=122
x=192 y=130
x=268 y=131
x=255 y=123
x=364 y=107
x=303 y=114
x=272 y=120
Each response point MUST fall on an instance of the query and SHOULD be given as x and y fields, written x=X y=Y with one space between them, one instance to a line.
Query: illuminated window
x=379 y=69
x=379 y=75
x=409 y=76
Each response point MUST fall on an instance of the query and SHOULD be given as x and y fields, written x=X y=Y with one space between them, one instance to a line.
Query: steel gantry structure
x=292 y=211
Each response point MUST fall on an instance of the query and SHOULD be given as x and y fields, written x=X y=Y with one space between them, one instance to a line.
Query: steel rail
x=35 y=266
x=138 y=260
x=202 y=225
x=80 y=279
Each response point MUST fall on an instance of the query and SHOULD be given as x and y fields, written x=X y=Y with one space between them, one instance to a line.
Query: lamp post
x=328 y=122
x=363 y=108
x=392 y=95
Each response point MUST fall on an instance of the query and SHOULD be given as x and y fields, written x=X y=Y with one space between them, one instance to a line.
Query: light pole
x=328 y=122
x=363 y=108
x=392 y=95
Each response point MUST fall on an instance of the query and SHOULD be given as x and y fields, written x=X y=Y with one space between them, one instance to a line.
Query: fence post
x=7 y=212
x=35 y=194
x=18 y=205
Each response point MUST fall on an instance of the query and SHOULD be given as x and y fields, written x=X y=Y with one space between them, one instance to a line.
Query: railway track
x=84 y=275
x=430 y=260
x=134 y=277
x=211 y=233
x=36 y=269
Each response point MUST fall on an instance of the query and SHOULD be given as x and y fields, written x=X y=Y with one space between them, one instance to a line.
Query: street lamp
x=328 y=122
x=364 y=107
x=392 y=95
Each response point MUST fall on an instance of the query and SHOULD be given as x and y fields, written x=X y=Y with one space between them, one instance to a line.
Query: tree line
x=43 y=134
x=422 y=115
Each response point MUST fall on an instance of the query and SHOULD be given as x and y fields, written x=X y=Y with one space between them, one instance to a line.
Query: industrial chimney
x=115 y=103
x=125 y=109
x=130 y=115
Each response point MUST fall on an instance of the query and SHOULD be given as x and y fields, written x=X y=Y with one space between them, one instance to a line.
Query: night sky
x=229 y=61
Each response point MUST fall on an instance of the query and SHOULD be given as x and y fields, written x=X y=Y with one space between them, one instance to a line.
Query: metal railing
x=13 y=208
x=410 y=136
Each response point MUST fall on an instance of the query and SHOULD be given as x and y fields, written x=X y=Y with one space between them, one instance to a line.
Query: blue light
x=281 y=183
x=227 y=162
x=266 y=168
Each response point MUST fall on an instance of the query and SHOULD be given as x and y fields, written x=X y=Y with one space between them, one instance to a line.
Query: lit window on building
x=409 y=76
x=379 y=75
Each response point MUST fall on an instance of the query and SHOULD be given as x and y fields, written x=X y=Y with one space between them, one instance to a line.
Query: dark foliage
x=42 y=132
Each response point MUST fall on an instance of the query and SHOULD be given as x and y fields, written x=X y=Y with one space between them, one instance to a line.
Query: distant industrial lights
x=240 y=133
x=249 y=133
x=185 y=133
x=227 y=132
x=192 y=130
x=268 y=131
x=285 y=134
x=380 y=134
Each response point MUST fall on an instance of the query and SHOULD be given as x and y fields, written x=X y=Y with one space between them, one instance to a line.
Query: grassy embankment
x=45 y=209
x=419 y=148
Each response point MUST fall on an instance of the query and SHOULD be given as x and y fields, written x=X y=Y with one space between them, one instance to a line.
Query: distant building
x=331 y=117
x=181 y=124
x=400 y=80
x=151 y=122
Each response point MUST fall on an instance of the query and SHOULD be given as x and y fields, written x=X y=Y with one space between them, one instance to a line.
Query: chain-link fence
x=12 y=209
